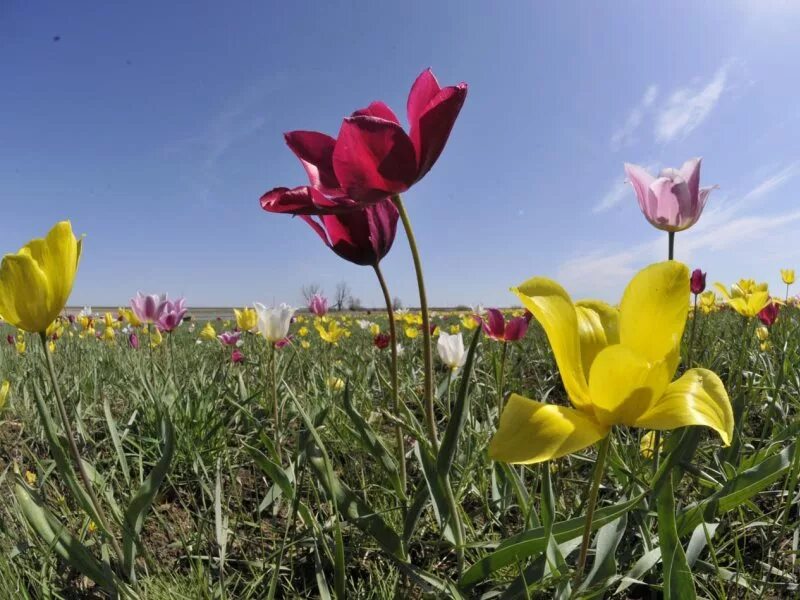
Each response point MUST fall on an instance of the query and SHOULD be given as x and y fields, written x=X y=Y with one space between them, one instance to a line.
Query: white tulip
x=274 y=322
x=451 y=349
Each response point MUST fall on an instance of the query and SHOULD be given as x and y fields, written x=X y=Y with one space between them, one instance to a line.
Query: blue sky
x=155 y=128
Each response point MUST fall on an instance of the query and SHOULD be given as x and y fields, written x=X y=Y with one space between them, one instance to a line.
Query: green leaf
x=736 y=491
x=604 y=567
x=533 y=541
x=458 y=418
x=115 y=439
x=143 y=499
x=678 y=582
x=56 y=536
x=373 y=444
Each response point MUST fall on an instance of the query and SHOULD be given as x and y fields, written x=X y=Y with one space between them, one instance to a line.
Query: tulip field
x=556 y=447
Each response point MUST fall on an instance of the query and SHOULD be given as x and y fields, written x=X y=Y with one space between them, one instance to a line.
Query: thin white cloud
x=618 y=192
x=688 y=107
x=625 y=135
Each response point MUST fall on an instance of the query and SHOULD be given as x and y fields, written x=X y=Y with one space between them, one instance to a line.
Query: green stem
x=671 y=248
x=73 y=449
x=275 y=406
x=691 y=335
x=597 y=476
x=501 y=381
x=430 y=415
x=398 y=431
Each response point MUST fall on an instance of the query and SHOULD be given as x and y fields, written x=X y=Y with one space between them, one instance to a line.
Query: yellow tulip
x=84 y=321
x=648 y=444
x=208 y=332
x=51 y=347
x=617 y=367
x=4 y=389
x=305 y=344
x=36 y=282
x=412 y=331
x=55 y=329
x=20 y=345
x=109 y=320
x=156 y=338
x=454 y=329
x=246 y=319
x=374 y=329
x=332 y=334
x=131 y=317
x=336 y=384
x=787 y=275
x=762 y=333
x=469 y=322
x=708 y=302
x=30 y=477
x=108 y=334
x=745 y=297
x=303 y=331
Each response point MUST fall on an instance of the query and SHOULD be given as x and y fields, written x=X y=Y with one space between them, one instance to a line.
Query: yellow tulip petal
x=24 y=293
x=757 y=301
x=624 y=384
x=697 y=398
x=598 y=327
x=653 y=310
x=723 y=290
x=532 y=432
x=550 y=304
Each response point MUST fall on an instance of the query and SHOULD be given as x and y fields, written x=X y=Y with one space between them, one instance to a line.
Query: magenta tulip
x=674 y=200
x=237 y=357
x=172 y=315
x=363 y=236
x=373 y=157
x=133 y=341
x=229 y=338
x=318 y=304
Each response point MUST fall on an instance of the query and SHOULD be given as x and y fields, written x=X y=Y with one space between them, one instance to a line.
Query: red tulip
x=381 y=341
x=698 y=282
x=373 y=156
x=769 y=314
x=237 y=357
x=497 y=328
x=363 y=236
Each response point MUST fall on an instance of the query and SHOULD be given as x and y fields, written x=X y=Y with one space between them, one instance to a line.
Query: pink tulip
x=172 y=315
x=674 y=200
x=318 y=305
x=133 y=341
x=148 y=309
x=237 y=357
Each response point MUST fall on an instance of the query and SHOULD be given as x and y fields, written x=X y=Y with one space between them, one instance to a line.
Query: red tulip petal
x=315 y=151
x=429 y=132
x=496 y=323
x=373 y=158
x=304 y=200
x=424 y=90
x=321 y=232
x=379 y=110
x=516 y=329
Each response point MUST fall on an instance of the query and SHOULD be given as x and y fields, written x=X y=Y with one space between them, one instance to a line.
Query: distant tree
x=397 y=304
x=355 y=303
x=341 y=296
x=310 y=290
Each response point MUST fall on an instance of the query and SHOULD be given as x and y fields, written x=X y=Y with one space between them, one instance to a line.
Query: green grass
x=231 y=508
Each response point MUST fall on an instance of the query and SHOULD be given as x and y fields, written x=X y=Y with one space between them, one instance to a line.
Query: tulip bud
x=237 y=357
x=133 y=341
x=698 y=282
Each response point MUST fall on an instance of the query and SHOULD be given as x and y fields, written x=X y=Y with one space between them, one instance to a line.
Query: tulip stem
x=689 y=352
x=671 y=250
x=597 y=476
x=501 y=382
x=398 y=431
x=73 y=449
x=430 y=415
x=275 y=407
